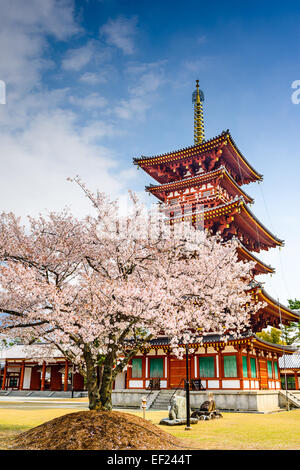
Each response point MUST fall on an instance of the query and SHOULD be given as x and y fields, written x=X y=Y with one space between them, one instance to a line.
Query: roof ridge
x=223 y=133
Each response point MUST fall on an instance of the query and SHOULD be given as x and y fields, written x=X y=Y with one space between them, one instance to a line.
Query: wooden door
x=178 y=371
x=263 y=372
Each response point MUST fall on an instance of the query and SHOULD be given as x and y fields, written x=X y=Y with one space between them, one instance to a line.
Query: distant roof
x=290 y=361
x=216 y=338
x=25 y=351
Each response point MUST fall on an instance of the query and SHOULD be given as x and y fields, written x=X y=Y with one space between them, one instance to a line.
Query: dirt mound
x=96 y=430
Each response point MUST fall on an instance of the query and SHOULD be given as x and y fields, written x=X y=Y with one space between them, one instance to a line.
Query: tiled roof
x=203 y=147
x=290 y=361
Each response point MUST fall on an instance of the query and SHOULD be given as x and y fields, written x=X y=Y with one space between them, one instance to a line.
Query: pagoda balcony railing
x=177 y=206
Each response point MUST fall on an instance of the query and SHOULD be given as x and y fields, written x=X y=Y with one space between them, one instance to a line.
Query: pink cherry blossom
x=101 y=287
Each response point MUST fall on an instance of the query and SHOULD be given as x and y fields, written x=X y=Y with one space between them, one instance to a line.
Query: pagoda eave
x=220 y=176
x=246 y=220
x=276 y=348
x=233 y=219
x=210 y=154
x=273 y=308
x=260 y=267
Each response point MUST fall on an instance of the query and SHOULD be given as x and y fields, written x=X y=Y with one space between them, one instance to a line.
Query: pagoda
x=204 y=184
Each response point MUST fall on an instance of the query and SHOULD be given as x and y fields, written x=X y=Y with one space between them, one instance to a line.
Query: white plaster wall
x=213 y=384
x=231 y=400
x=230 y=383
x=136 y=383
x=255 y=401
x=128 y=398
x=27 y=377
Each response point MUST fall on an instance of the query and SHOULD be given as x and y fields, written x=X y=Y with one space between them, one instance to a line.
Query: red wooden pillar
x=4 y=376
x=221 y=366
x=249 y=367
x=66 y=376
x=43 y=376
x=240 y=367
x=192 y=367
x=169 y=370
x=296 y=380
x=144 y=370
x=22 y=376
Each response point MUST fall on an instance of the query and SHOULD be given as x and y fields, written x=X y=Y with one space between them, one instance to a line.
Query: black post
x=187 y=389
x=72 y=380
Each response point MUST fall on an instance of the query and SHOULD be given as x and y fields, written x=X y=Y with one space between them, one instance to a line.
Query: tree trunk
x=107 y=382
x=106 y=389
x=99 y=391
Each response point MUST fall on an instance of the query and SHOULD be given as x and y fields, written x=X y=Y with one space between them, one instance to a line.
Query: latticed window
x=245 y=367
x=156 y=367
x=270 y=371
x=136 y=368
x=253 y=367
x=230 y=367
x=13 y=381
x=207 y=366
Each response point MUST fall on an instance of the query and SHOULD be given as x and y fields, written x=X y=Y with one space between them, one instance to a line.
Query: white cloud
x=149 y=82
x=76 y=59
x=98 y=130
x=200 y=64
x=93 y=100
x=146 y=79
x=42 y=143
x=24 y=28
x=132 y=108
x=55 y=17
x=93 y=78
x=37 y=161
x=120 y=33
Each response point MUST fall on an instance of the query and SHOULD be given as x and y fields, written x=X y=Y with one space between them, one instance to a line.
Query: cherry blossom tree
x=100 y=288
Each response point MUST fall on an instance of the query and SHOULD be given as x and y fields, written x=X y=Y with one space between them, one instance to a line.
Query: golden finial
x=198 y=98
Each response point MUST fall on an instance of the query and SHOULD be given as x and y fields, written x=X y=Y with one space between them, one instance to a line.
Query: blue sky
x=92 y=84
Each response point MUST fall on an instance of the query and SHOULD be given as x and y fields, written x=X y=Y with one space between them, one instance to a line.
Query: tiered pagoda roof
x=260 y=267
x=236 y=219
x=273 y=310
x=221 y=175
x=208 y=155
x=202 y=184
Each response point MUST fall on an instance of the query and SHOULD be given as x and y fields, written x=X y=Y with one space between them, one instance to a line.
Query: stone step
x=157 y=407
x=162 y=401
x=163 y=398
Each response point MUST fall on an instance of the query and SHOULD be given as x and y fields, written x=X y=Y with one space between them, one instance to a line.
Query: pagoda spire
x=198 y=98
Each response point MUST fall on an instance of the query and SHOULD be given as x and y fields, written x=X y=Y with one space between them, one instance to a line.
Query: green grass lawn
x=238 y=431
